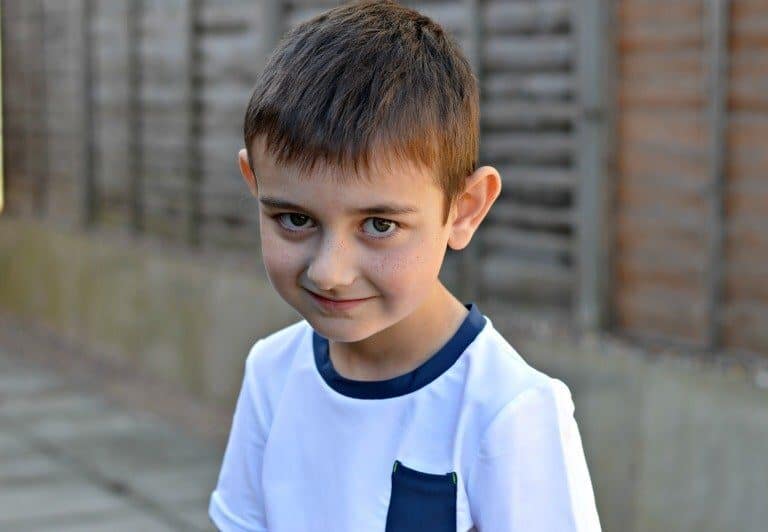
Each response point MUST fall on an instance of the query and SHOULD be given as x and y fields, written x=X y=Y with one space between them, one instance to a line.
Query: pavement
x=75 y=459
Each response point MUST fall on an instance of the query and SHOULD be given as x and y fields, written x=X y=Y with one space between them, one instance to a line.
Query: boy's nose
x=331 y=267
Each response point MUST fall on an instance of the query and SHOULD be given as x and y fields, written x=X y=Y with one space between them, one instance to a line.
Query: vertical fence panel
x=529 y=109
x=233 y=42
x=135 y=126
x=274 y=24
x=194 y=154
x=717 y=68
x=89 y=134
x=743 y=305
x=19 y=106
x=41 y=179
x=25 y=92
x=115 y=164
x=165 y=118
x=34 y=95
x=663 y=170
x=591 y=192
x=2 y=113
x=63 y=56
x=691 y=210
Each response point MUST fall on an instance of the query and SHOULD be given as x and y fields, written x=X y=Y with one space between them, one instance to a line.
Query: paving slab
x=74 y=460
x=117 y=521
x=195 y=516
x=121 y=455
x=177 y=485
x=10 y=443
x=64 y=429
x=30 y=408
x=59 y=499
x=31 y=467
x=26 y=381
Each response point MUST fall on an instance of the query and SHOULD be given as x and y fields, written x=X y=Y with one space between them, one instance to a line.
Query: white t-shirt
x=473 y=437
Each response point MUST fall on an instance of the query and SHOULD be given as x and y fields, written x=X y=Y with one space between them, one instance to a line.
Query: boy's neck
x=403 y=346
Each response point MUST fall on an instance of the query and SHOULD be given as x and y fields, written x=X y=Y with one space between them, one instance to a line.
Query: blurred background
x=627 y=254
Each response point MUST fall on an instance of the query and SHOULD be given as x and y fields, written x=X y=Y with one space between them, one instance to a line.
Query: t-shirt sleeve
x=530 y=474
x=237 y=502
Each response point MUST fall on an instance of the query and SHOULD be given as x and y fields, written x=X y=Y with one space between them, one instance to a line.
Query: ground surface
x=78 y=452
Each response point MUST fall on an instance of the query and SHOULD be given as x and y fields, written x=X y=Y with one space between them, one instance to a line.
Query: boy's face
x=325 y=243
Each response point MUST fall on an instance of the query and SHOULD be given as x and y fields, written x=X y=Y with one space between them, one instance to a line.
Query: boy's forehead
x=386 y=177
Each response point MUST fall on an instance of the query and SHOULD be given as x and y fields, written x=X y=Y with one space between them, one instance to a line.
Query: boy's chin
x=339 y=329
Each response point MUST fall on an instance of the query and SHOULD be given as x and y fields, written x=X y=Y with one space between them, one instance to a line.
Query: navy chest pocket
x=421 y=502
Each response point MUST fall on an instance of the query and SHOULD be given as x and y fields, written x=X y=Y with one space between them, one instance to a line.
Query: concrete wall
x=673 y=444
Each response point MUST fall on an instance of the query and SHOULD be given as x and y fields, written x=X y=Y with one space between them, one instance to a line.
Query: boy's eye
x=380 y=227
x=292 y=221
x=374 y=227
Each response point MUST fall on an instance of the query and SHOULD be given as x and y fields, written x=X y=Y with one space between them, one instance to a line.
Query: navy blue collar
x=431 y=369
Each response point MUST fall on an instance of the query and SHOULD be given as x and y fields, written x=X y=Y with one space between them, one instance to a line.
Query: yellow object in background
x=2 y=181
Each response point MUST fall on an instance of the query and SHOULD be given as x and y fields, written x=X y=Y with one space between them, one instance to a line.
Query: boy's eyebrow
x=278 y=203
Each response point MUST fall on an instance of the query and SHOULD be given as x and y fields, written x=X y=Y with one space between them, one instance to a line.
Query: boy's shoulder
x=268 y=364
x=275 y=349
x=498 y=377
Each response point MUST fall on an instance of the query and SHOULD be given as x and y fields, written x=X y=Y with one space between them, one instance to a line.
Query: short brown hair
x=369 y=78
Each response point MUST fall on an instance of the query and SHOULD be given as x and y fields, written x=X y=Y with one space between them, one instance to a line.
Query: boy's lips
x=336 y=304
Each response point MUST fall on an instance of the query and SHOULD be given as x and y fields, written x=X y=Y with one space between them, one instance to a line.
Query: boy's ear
x=482 y=188
x=245 y=169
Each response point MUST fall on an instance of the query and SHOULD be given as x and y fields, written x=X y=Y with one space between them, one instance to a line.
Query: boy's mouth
x=336 y=304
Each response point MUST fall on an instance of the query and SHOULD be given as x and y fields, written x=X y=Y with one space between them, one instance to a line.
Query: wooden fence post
x=2 y=108
x=194 y=131
x=135 y=11
x=591 y=191
x=43 y=168
x=273 y=24
x=89 y=145
x=716 y=64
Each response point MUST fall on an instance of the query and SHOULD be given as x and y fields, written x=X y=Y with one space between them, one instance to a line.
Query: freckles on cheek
x=402 y=264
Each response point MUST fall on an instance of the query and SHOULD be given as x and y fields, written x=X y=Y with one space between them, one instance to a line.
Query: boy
x=392 y=406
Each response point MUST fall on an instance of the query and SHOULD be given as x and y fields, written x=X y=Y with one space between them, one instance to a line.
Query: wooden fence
x=691 y=259
x=129 y=115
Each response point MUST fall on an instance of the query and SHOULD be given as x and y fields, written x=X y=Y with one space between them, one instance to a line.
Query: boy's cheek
x=406 y=266
x=277 y=254
x=278 y=259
